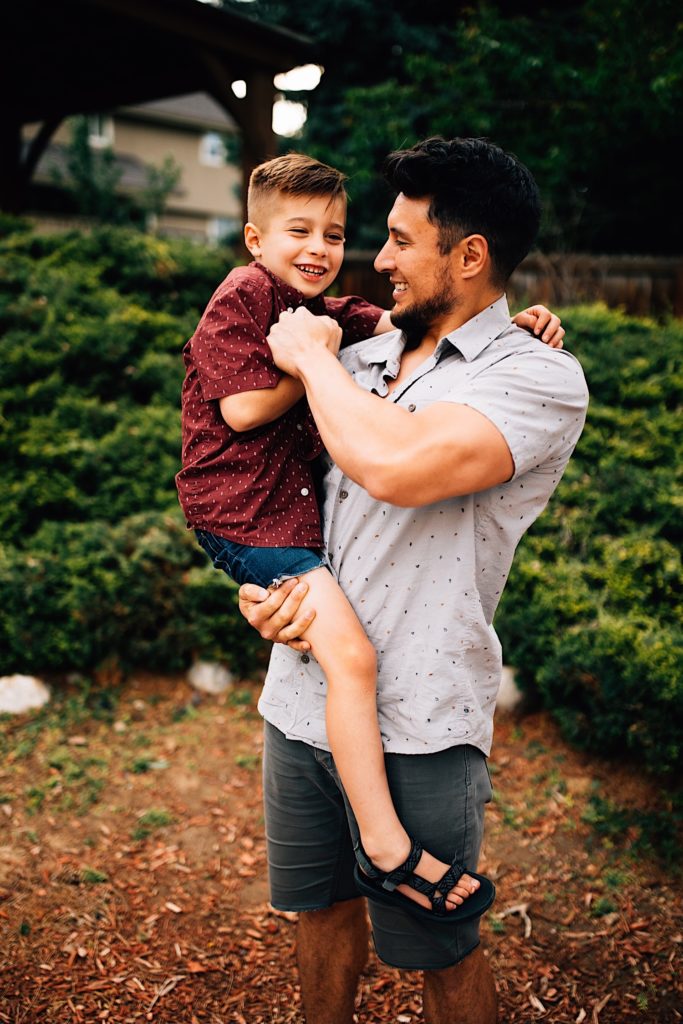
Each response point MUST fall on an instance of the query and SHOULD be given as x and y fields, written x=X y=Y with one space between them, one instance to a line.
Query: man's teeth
x=318 y=271
x=400 y=286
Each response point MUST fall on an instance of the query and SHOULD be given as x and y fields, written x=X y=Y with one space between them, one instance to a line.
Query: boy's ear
x=252 y=239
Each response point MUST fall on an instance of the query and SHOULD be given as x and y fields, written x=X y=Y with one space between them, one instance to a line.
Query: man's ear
x=252 y=239
x=474 y=256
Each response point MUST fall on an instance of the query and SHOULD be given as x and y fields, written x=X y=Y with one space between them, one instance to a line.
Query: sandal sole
x=474 y=906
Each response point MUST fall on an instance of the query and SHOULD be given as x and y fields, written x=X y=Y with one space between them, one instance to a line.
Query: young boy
x=247 y=489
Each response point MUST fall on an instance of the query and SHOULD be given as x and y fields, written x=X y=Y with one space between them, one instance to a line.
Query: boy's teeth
x=319 y=271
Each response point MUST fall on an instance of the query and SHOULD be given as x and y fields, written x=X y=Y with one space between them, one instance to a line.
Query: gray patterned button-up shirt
x=425 y=582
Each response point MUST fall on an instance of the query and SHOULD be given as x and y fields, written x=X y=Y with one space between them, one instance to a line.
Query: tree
x=587 y=95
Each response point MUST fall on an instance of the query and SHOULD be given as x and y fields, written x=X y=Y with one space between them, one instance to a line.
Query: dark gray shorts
x=310 y=832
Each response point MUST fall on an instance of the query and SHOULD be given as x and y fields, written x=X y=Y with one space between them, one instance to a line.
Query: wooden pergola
x=90 y=56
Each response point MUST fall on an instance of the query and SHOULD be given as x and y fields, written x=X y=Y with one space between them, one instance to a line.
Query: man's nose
x=384 y=262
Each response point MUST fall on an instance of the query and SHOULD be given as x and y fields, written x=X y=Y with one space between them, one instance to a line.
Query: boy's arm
x=246 y=410
x=542 y=323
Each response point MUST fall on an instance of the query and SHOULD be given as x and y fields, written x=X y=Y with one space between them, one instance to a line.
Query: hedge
x=95 y=563
x=592 y=614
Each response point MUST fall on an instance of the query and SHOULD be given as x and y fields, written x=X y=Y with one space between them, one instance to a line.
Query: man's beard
x=416 y=320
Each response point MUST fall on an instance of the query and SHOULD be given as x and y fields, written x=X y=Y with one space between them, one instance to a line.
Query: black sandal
x=380 y=887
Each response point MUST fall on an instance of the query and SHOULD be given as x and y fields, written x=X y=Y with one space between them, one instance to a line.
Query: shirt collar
x=472 y=337
x=290 y=295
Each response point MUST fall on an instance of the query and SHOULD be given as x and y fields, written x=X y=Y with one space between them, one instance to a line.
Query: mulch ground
x=132 y=874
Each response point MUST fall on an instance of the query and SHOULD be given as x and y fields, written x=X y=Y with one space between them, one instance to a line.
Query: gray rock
x=21 y=693
x=510 y=697
x=210 y=677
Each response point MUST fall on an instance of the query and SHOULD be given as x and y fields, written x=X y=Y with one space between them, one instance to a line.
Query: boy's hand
x=273 y=613
x=544 y=324
x=296 y=333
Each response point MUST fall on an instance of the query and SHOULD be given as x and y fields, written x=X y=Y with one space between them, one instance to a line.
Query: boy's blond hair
x=293 y=175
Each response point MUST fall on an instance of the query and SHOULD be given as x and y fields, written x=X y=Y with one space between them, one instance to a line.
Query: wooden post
x=10 y=167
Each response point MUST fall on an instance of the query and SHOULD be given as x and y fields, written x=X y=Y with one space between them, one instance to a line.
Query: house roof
x=196 y=110
x=84 y=56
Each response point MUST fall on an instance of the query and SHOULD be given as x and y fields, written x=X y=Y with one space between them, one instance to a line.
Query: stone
x=210 y=677
x=21 y=693
x=510 y=697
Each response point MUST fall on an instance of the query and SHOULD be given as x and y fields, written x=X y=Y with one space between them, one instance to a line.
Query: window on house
x=212 y=150
x=223 y=229
x=100 y=130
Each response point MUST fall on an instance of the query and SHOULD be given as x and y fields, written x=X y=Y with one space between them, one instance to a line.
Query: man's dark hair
x=474 y=187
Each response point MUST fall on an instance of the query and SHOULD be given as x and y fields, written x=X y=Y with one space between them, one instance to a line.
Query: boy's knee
x=361 y=659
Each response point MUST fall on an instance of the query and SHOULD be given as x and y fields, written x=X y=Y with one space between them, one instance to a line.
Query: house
x=193 y=130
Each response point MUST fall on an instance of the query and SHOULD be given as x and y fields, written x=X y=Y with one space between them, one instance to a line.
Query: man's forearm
x=361 y=432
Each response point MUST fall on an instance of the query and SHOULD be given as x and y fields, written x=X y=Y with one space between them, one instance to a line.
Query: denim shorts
x=263 y=566
x=311 y=834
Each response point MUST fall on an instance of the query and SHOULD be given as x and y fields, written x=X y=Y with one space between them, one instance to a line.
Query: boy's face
x=301 y=240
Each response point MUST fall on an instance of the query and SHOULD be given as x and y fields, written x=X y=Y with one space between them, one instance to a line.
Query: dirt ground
x=132 y=873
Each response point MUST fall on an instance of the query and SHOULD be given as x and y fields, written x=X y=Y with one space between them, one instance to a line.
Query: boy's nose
x=316 y=244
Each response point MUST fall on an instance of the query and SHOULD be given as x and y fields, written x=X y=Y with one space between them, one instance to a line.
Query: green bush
x=95 y=563
x=592 y=613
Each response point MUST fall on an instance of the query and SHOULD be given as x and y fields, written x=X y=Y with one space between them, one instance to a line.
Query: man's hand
x=296 y=334
x=544 y=324
x=273 y=613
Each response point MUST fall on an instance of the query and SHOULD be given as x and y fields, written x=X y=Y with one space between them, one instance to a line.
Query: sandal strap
x=436 y=892
x=404 y=872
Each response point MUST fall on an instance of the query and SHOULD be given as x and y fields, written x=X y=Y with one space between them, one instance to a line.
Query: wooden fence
x=642 y=285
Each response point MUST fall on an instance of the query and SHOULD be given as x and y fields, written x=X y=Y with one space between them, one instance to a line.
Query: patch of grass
x=149 y=821
x=24 y=928
x=496 y=925
x=602 y=906
x=142 y=740
x=239 y=698
x=249 y=761
x=614 y=878
x=181 y=714
x=643 y=833
x=534 y=749
x=148 y=764
x=35 y=799
x=91 y=876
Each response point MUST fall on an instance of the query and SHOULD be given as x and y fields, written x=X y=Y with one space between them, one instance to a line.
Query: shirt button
x=305 y=659
x=343 y=495
x=412 y=407
x=304 y=491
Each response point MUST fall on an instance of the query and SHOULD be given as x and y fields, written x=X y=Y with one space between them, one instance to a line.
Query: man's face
x=425 y=292
x=302 y=241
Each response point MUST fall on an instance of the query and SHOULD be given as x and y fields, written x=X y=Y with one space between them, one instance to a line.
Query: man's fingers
x=550 y=327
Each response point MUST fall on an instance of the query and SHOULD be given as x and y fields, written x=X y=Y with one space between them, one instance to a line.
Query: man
x=447 y=438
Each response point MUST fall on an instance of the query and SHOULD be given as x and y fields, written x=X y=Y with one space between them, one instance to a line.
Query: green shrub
x=138 y=593
x=593 y=610
x=95 y=563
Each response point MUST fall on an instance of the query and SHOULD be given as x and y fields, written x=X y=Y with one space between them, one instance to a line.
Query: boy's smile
x=302 y=241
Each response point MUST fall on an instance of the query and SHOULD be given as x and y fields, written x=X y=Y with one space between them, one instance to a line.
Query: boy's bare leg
x=464 y=994
x=348 y=659
x=332 y=949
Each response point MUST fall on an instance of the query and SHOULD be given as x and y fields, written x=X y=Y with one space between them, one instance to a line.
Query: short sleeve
x=537 y=401
x=356 y=317
x=229 y=347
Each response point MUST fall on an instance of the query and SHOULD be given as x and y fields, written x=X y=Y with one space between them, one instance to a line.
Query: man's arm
x=403 y=458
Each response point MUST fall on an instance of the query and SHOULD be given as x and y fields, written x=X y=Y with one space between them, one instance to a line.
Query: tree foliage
x=588 y=95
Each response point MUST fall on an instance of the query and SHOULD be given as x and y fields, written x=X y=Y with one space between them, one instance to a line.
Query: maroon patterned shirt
x=254 y=487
